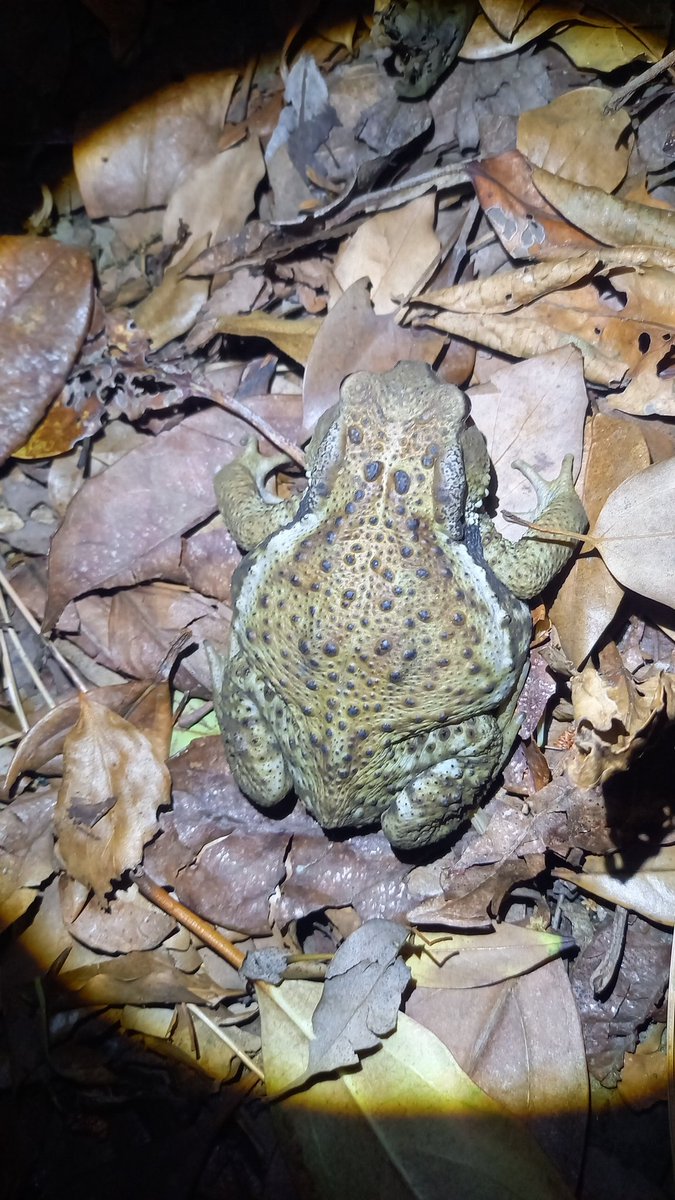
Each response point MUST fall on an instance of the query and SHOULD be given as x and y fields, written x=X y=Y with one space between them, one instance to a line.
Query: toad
x=380 y=637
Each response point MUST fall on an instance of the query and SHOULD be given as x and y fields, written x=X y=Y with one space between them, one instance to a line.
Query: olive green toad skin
x=379 y=638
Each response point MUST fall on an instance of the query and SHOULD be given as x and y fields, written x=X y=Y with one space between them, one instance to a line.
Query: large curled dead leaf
x=113 y=784
x=136 y=160
x=45 y=307
x=408 y=1124
x=635 y=532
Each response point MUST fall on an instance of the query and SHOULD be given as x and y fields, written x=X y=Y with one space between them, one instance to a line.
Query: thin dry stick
x=225 y=1037
x=624 y=93
x=18 y=646
x=204 y=930
x=68 y=669
x=10 y=681
x=258 y=423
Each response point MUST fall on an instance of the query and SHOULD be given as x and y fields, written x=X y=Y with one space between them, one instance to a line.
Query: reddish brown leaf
x=45 y=306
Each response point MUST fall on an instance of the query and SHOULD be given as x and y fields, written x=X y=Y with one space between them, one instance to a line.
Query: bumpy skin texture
x=377 y=653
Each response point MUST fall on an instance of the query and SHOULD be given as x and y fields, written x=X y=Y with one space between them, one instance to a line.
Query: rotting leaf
x=361 y=998
x=45 y=310
x=635 y=532
x=139 y=977
x=608 y=218
x=479 y=959
x=107 y=759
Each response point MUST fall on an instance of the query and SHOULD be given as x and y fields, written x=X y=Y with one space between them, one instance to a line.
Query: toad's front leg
x=527 y=566
x=251 y=746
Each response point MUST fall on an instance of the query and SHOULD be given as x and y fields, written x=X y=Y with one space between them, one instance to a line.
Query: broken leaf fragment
x=361 y=998
x=113 y=784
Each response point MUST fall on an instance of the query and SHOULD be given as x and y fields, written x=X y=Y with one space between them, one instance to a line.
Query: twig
x=10 y=681
x=53 y=650
x=204 y=930
x=618 y=98
x=18 y=646
x=225 y=1037
x=263 y=427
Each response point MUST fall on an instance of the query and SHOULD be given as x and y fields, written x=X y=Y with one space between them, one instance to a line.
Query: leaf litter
x=257 y=232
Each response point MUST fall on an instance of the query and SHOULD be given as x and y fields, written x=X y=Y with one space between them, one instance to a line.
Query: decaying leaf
x=360 y=1000
x=113 y=785
x=616 y=716
x=392 y=1127
x=139 y=977
x=635 y=532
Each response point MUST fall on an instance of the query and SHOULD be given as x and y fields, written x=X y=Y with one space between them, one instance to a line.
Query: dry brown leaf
x=393 y=249
x=121 y=525
x=461 y=960
x=294 y=336
x=137 y=160
x=608 y=49
x=615 y=717
x=485 y=40
x=44 y=740
x=635 y=532
x=510 y=290
x=128 y=922
x=607 y=218
x=591 y=38
x=535 y=411
x=507 y=15
x=590 y=596
x=214 y=200
x=45 y=308
x=139 y=977
x=574 y=137
x=642 y=885
x=503 y=1037
x=354 y=338
x=26 y=852
x=113 y=785
x=172 y=308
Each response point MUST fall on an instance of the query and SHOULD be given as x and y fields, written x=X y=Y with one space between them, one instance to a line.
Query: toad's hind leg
x=251 y=746
x=441 y=797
